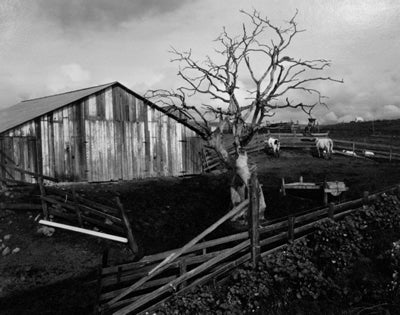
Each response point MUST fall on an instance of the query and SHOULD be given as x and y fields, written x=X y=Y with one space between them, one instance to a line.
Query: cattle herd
x=324 y=146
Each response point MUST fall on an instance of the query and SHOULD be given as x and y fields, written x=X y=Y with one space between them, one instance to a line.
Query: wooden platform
x=335 y=188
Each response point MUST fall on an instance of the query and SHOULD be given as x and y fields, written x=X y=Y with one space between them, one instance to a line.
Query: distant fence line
x=299 y=141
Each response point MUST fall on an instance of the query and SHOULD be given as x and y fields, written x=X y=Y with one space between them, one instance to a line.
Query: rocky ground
x=42 y=274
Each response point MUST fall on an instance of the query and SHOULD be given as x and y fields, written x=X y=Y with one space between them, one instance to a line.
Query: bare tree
x=273 y=88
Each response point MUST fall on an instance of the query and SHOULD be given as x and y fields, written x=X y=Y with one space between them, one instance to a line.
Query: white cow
x=350 y=153
x=368 y=153
x=273 y=145
x=324 y=144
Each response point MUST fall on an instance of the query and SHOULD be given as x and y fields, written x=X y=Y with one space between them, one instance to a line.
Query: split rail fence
x=142 y=286
x=71 y=207
x=86 y=213
x=381 y=151
x=299 y=141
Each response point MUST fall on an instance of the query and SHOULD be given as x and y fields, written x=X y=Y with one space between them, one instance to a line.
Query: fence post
x=182 y=271
x=390 y=155
x=106 y=253
x=331 y=211
x=325 y=200
x=291 y=228
x=365 y=197
x=283 y=187
x=127 y=227
x=253 y=218
x=43 y=194
x=76 y=206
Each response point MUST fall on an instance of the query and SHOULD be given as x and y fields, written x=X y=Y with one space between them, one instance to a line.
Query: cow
x=273 y=145
x=368 y=153
x=326 y=145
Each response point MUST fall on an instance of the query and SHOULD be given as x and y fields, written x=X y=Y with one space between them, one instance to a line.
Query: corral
x=164 y=214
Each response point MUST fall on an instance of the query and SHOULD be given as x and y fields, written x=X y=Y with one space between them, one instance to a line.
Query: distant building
x=359 y=119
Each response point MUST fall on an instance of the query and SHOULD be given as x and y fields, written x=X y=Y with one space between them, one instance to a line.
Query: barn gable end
x=110 y=134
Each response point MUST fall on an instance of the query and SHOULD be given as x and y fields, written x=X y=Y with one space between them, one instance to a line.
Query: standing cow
x=326 y=145
x=273 y=145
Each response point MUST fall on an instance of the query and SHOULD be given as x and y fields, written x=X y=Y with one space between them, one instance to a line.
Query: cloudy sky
x=52 y=46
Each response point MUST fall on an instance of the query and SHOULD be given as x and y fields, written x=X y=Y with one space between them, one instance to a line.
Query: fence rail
x=298 y=141
x=381 y=151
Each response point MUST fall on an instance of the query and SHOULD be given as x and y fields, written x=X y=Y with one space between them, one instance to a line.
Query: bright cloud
x=49 y=46
x=329 y=118
x=69 y=76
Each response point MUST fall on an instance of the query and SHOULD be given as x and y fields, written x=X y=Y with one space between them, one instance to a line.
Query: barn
x=97 y=134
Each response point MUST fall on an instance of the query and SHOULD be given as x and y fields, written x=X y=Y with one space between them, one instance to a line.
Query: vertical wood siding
x=63 y=143
x=108 y=136
x=132 y=140
x=18 y=149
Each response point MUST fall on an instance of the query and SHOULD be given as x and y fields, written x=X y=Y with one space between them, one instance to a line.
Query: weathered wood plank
x=175 y=283
x=151 y=284
x=160 y=267
x=109 y=110
x=21 y=170
x=151 y=259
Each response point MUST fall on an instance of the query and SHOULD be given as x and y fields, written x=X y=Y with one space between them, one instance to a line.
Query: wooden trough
x=335 y=188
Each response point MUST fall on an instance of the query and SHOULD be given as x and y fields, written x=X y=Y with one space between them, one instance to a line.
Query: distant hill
x=365 y=129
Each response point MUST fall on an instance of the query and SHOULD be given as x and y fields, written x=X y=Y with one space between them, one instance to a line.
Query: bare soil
x=54 y=275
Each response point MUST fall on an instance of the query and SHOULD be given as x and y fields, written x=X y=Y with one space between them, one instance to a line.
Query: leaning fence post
x=331 y=211
x=253 y=217
x=291 y=228
x=127 y=227
x=182 y=271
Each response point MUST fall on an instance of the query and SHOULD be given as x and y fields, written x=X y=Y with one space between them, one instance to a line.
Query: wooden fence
x=299 y=141
x=142 y=286
x=381 y=151
x=71 y=207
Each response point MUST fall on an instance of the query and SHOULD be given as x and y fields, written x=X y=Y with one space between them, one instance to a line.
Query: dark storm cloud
x=101 y=14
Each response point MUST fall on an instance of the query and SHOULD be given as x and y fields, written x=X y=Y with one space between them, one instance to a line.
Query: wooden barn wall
x=108 y=136
x=126 y=139
x=18 y=149
x=63 y=143
x=53 y=144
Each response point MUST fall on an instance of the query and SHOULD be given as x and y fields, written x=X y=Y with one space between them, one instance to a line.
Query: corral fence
x=85 y=215
x=141 y=287
x=211 y=160
x=381 y=151
x=389 y=152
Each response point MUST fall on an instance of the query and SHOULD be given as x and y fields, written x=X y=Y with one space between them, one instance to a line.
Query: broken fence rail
x=84 y=231
x=75 y=209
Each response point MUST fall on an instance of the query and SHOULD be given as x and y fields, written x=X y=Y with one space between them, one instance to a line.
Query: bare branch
x=267 y=88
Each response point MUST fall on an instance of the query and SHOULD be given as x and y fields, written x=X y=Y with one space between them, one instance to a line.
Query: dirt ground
x=50 y=275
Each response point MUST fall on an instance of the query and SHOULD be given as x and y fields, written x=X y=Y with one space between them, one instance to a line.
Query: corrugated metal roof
x=24 y=111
